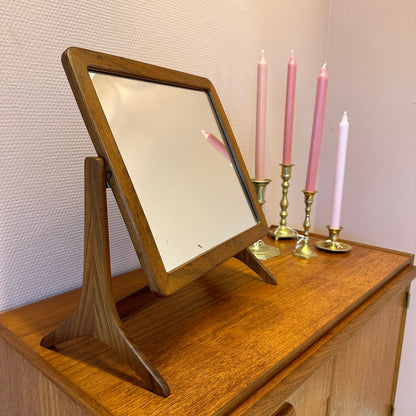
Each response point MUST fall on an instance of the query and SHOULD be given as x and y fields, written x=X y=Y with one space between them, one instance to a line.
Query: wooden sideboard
x=325 y=341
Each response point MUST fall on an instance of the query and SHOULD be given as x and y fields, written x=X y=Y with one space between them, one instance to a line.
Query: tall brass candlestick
x=283 y=231
x=302 y=249
x=261 y=250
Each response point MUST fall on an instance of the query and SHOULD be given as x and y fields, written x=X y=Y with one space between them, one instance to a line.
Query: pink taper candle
x=261 y=116
x=339 y=173
x=318 y=123
x=213 y=141
x=290 y=105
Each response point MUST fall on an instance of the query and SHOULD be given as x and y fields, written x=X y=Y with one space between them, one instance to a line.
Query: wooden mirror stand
x=147 y=124
x=97 y=314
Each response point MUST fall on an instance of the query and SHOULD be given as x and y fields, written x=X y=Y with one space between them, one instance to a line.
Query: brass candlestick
x=260 y=187
x=302 y=249
x=261 y=250
x=333 y=244
x=283 y=231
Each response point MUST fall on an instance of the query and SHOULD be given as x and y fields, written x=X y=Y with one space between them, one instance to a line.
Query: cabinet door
x=312 y=397
x=366 y=367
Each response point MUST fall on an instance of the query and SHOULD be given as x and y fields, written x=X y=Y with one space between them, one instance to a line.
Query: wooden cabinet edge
x=399 y=352
x=278 y=390
x=77 y=395
x=29 y=391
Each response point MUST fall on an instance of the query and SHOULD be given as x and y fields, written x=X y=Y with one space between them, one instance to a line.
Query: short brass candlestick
x=283 y=231
x=333 y=244
x=302 y=249
x=261 y=250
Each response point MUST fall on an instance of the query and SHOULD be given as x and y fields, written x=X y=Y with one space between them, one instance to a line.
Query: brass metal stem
x=283 y=231
x=308 y=208
x=284 y=203
x=302 y=249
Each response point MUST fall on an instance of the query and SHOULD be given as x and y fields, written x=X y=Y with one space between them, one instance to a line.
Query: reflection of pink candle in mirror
x=339 y=172
x=318 y=123
x=290 y=105
x=261 y=116
x=212 y=140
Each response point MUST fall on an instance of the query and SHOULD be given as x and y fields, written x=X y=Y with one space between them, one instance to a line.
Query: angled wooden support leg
x=249 y=259
x=96 y=315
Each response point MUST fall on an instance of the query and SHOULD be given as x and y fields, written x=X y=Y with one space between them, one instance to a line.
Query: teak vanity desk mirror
x=165 y=147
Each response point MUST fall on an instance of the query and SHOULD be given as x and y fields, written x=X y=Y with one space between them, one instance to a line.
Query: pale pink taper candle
x=290 y=105
x=339 y=172
x=213 y=141
x=318 y=123
x=261 y=117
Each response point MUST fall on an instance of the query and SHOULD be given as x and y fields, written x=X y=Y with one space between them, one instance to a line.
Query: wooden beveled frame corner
x=77 y=63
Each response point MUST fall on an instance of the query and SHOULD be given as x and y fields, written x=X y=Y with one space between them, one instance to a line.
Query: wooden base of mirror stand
x=251 y=261
x=97 y=315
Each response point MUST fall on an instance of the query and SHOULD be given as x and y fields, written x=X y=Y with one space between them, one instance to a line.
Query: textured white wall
x=44 y=141
x=372 y=67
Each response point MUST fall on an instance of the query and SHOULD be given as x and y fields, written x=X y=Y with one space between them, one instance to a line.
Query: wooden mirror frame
x=77 y=63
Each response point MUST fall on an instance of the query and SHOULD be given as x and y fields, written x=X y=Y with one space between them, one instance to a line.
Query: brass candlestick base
x=333 y=245
x=283 y=231
x=302 y=249
x=261 y=250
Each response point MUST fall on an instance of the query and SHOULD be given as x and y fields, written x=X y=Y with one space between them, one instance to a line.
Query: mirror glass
x=179 y=161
